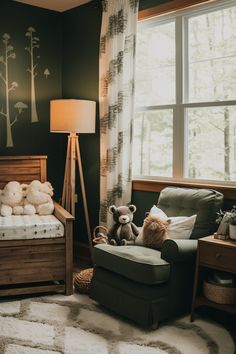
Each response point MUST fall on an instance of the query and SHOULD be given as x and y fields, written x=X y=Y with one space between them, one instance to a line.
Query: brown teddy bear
x=124 y=231
x=154 y=231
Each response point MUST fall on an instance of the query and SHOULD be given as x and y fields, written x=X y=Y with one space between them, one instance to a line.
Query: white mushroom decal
x=20 y=106
x=46 y=72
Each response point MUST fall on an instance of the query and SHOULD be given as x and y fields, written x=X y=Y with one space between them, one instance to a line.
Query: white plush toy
x=12 y=198
x=39 y=195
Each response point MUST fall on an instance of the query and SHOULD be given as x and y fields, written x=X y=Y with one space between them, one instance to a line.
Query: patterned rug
x=76 y=325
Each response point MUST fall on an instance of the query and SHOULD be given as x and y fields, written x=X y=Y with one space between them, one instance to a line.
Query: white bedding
x=26 y=227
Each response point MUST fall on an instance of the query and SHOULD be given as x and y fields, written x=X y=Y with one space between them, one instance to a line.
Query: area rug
x=77 y=325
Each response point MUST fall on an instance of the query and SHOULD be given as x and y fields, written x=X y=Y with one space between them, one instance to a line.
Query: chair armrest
x=62 y=214
x=179 y=250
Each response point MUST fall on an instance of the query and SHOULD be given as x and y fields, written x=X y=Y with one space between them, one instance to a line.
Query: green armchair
x=146 y=285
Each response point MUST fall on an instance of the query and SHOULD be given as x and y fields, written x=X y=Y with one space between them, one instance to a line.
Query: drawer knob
x=218 y=255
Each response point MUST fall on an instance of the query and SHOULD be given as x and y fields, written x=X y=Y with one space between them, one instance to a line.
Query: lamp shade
x=73 y=116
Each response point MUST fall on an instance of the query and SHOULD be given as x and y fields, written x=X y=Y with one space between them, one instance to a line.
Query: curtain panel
x=116 y=102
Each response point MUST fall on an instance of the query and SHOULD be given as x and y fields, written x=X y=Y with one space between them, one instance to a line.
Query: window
x=185 y=95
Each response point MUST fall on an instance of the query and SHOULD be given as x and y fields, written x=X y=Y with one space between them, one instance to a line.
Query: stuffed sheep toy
x=12 y=199
x=39 y=196
x=124 y=231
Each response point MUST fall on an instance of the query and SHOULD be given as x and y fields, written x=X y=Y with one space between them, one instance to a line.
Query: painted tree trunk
x=34 y=114
x=9 y=134
x=8 y=118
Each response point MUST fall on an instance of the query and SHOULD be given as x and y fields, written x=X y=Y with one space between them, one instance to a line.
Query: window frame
x=180 y=11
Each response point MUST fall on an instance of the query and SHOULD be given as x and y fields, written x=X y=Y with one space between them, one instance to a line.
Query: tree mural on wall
x=9 y=86
x=33 y=44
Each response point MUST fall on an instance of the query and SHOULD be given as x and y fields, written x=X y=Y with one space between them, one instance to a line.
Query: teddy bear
x=154 y=231
x=124 y=231
x=24 y=208
x=12 y=198
x=39 y=196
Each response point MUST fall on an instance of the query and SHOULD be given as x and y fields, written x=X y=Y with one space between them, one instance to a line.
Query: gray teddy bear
x=124 y=231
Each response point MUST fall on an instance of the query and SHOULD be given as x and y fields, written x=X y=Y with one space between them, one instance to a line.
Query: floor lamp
x=73 y=116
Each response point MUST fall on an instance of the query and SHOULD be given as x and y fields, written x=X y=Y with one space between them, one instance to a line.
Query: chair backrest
x=23 y=169
x=175 y=201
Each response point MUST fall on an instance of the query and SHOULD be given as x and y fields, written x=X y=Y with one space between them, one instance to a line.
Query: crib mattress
x=27 y=227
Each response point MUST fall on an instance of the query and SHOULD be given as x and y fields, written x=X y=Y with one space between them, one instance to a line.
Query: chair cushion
x=140 y=264
x=26 y=227
x=205 y=203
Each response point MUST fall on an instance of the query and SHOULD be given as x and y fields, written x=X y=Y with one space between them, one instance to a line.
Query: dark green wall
x=143 y=201
x=145 y=4
x=33 y=138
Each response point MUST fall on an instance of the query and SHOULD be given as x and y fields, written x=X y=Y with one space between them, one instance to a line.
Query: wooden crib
x=37 y=265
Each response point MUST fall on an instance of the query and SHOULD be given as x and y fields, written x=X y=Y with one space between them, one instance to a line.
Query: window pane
x=212 y=56
x=155 y=65
x=212 y=143
x=153 y=143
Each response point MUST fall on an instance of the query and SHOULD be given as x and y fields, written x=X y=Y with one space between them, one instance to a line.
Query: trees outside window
x=185 y=122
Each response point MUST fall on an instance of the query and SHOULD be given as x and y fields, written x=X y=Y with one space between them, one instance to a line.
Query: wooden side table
x=213 y=254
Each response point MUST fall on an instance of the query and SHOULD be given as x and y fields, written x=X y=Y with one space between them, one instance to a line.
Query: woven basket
x=219 y=294
x=82 y=280
x=100 y=237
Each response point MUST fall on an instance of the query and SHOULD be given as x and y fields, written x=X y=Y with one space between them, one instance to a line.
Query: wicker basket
x=219 y=294
x=82 y=280
x=100 y=237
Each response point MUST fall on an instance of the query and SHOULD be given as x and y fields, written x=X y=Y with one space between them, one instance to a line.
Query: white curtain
x=116 y=98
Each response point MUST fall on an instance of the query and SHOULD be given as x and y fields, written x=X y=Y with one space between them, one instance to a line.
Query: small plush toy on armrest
x=124 y=231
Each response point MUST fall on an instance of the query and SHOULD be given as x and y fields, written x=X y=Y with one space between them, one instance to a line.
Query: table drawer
x=218 y=256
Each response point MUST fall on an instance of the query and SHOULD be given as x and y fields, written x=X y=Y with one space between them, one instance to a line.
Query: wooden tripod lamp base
x=73 y=116
x=73 y=157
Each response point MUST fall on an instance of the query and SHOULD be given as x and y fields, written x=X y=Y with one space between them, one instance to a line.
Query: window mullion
x=178 y=112
x=185 y=55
